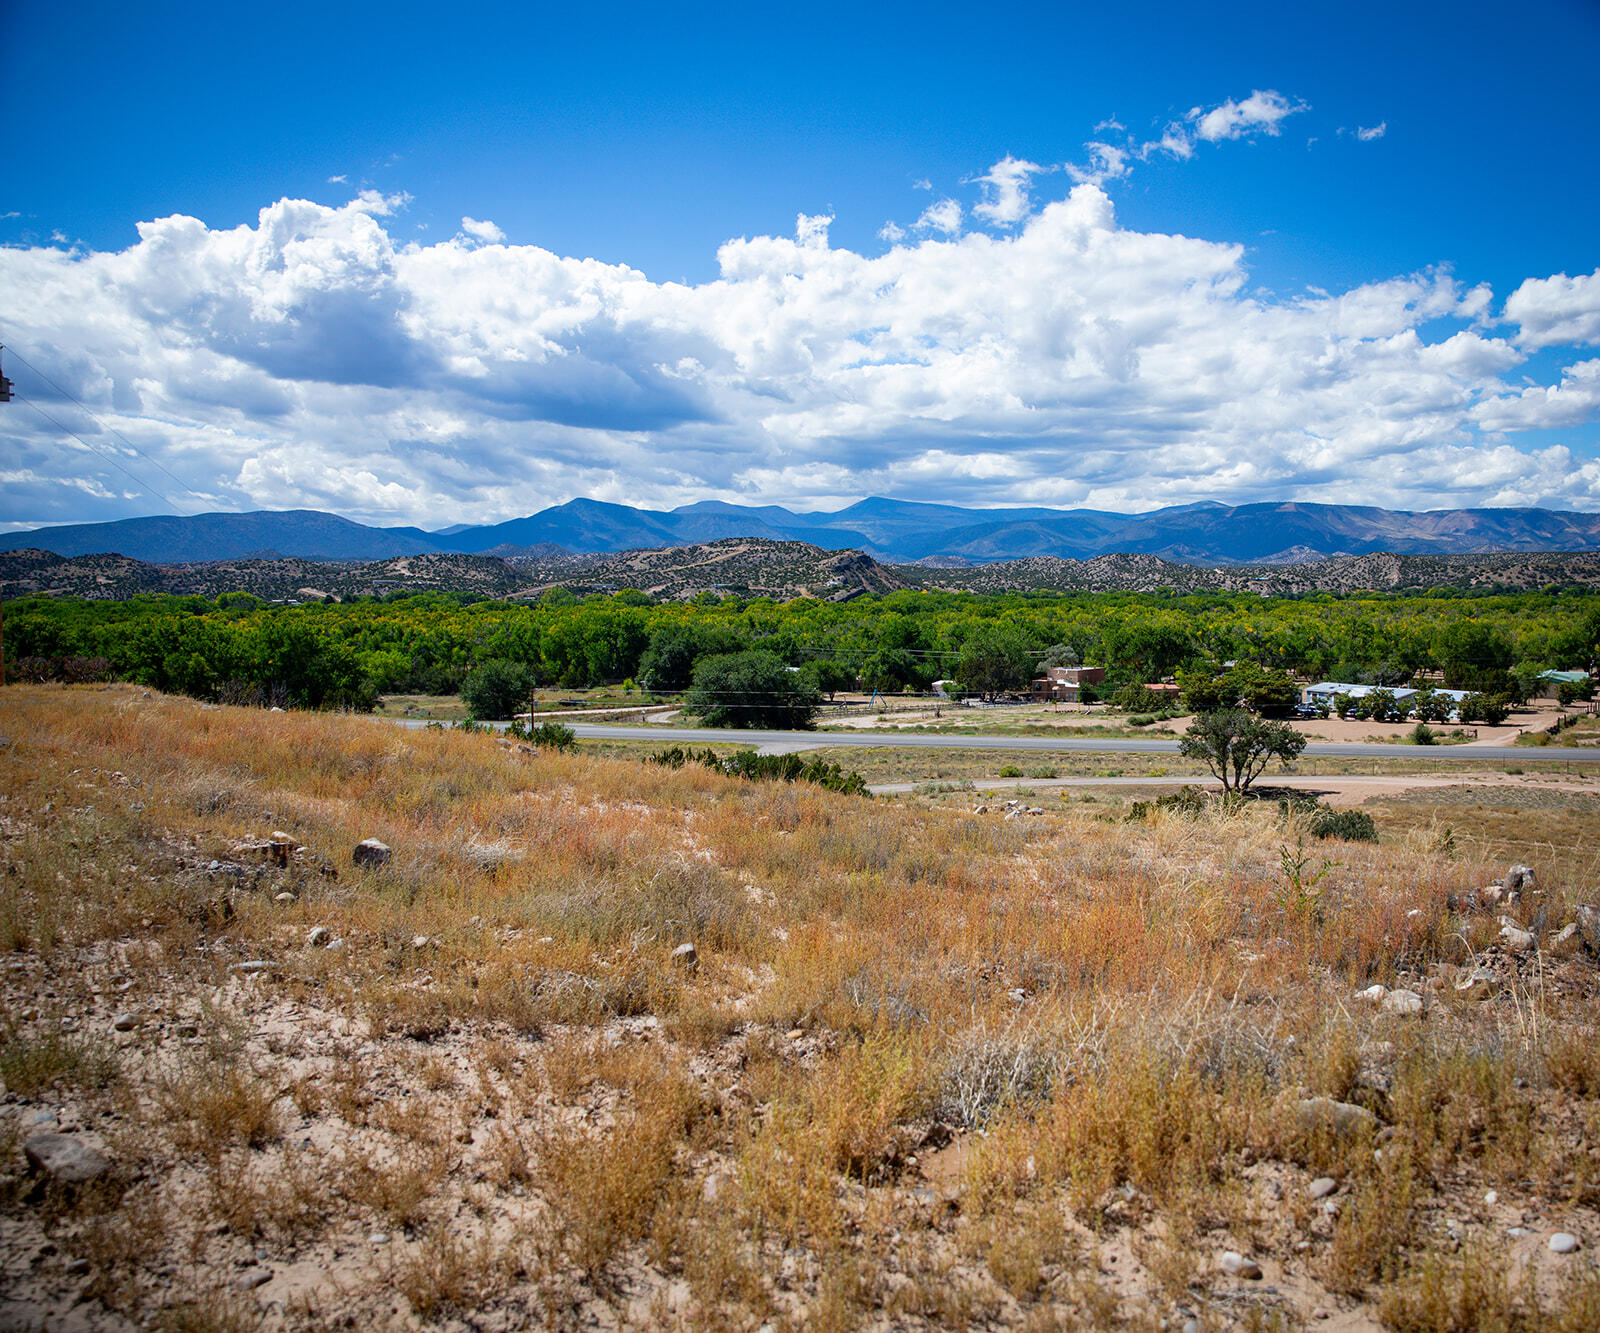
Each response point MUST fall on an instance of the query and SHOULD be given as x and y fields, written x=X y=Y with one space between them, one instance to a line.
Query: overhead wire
x=65 y=429
x=109 y=429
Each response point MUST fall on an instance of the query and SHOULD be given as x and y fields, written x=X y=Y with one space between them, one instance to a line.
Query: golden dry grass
x=931 y=1069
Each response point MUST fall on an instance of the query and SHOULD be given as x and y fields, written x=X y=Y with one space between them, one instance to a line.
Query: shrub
x=1346 y=825
x=1423 y=734
x=550 y=735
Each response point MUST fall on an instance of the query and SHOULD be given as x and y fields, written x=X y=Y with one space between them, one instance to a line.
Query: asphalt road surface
x=786 y=742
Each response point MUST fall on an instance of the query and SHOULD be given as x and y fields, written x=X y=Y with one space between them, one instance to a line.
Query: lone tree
x=496 y=689
x=994 y=660
x=1236 y=746
x=750 y=689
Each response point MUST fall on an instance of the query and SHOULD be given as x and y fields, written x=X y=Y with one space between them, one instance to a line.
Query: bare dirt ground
x=1006 y=717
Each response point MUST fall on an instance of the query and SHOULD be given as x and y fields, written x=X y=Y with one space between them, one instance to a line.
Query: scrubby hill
x=748 y=566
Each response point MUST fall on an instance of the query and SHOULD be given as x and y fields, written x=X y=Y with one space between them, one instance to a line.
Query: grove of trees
x=343 y=655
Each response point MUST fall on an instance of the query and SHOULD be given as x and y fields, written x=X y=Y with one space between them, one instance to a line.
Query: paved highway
x=787 y=742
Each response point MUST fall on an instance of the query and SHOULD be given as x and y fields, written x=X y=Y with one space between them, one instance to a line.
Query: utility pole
x=5 y=397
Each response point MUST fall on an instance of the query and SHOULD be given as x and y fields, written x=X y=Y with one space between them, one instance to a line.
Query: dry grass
x=930 y=1069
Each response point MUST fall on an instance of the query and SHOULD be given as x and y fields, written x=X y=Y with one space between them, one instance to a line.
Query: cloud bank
x=1050 y=357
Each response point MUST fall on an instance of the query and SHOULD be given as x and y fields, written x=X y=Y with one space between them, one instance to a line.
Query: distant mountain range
x=892 y=531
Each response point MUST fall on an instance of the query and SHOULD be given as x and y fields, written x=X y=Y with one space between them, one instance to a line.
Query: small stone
x=124 y=1022
x=1236 y=1265
x=378 y=1238
x=1517 y=940
x=794 y=1034
x=1563 y=1242
x=1330 y=1207
x=254 y=967
x=1341 y=1119
x=284 y=897
x=419 y=941
x=1567 y=940
x=255 y=1277
x=1491 y=1198
x=1588 y=924
x=1479 y=984
x=316 y=937
x=686 y=956
x=76 y=1267
x=64 y=1159
x=1516 y=1233
x=370 y=852
x=1519 y=879
x=1402 y=1002
x=1373 y=994
x=1322 y=1187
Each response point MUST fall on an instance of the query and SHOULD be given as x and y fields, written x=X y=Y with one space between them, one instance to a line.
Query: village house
x=1323 y=693
x=1063 y=685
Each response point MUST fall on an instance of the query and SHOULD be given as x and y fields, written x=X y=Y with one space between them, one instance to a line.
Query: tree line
x=235 y=648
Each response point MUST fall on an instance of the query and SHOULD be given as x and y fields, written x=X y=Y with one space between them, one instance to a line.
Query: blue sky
x=425 y=346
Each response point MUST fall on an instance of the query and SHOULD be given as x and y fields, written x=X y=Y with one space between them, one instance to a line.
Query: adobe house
x=1062 y=685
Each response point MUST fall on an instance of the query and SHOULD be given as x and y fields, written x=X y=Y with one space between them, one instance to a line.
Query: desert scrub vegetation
x=597 y=1041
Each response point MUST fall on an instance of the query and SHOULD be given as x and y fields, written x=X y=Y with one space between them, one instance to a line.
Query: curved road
x=787 y=742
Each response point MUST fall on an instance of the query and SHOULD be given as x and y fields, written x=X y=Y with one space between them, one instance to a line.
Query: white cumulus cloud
x=943 y=216
x=485 y=232
x=1261 y=112
x=1557 y=311
x=1005 y=187
x=313 y=359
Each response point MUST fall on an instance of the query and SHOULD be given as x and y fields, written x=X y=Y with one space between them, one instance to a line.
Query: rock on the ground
x=1479 y=984
x=124 y=1022
x=370 y=852
x=66 y=1160
x=1322 y=1187
x=686 y=956
x=1341 y=1119
x=252 y=1278
x=1236 y=1265
x=1566 y=941
x=1517 y=939
x=1373 y=994
x=1402 y=1002
x=1589 y=926
x=316 y=937
x=1519 y=879
x=1563 y=1242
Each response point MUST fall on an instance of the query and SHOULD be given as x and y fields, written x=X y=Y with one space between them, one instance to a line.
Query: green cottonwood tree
x=750 y=689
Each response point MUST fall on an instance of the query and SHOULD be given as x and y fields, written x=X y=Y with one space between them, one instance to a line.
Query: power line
x=111 y=430
x=138 y=480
